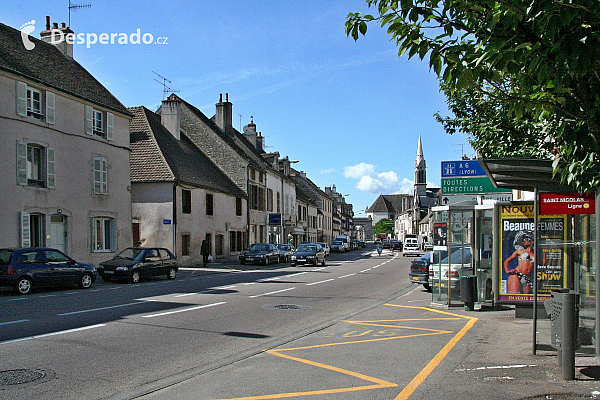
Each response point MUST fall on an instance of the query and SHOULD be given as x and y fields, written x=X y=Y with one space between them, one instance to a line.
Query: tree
x=533 y=64
x=384 y=225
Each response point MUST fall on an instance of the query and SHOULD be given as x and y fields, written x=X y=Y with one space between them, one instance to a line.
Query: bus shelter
x=462 y=247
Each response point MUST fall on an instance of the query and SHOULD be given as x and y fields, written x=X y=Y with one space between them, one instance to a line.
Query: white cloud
x=371 y=181
x=328 y=171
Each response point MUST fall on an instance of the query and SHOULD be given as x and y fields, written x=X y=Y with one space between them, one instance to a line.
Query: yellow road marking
x=377 y=383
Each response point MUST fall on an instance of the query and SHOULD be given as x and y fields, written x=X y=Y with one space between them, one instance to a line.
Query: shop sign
x=517 y=231
x=567 y=203
x=275 y=219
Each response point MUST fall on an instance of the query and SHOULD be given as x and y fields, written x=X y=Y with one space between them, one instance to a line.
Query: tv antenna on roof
x=166 y=88
x=76 y=7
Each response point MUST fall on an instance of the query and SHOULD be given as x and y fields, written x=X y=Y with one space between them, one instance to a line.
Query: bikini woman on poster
x=520 y=277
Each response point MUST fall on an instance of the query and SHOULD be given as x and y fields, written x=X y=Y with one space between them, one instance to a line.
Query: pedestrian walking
x=204 y=250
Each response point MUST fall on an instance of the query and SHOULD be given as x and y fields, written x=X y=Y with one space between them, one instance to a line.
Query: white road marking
x=497 y=367
x=316 y=283
x=54 y=333
x=365 y=270
x=48 y=295
x=19 y=299
x=104 y=308
x=345 y=276
x=184 y=310
x=318 y=269
x=299 y=273
x=206 y=291
x=14 y=322
x=277 y=291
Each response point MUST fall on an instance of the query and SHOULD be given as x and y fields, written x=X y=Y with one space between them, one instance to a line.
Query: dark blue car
x=23 y=269
x=419 y=270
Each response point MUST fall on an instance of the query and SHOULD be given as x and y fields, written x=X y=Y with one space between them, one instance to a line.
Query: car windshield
x=306 y=247
x=130 y=253
x=284 y=247
x=337 y=242
x=259 y=247
x=459 y=256
x=5 y=256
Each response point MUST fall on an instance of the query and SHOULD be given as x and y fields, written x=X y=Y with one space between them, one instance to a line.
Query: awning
x=523 y=174
x=296 y=230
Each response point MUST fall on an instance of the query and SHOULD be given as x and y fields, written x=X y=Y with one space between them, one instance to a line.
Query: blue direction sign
x=463 y=169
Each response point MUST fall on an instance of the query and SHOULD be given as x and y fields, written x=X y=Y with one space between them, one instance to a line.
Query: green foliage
x=384 y=225
x=527 y=73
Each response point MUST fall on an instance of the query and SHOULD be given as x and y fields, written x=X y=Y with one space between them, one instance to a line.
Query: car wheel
x=23 y=286
x=266 y=260
x=316 y=261
x=242 y=262
x=172 y=273
x=85 y=282
x=293 y=264
x=135 y=276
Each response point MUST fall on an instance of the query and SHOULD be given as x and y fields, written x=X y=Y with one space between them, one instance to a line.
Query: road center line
x=365 y=270
x=104 y=308
x=184 y=310
x=345 y=276
x=316 y=283
x=277 y=291
x=14 y=322
x=54 y=333
x=206 y=291
x=299 y=273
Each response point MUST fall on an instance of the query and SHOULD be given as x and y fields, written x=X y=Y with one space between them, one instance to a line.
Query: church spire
x=420 y=174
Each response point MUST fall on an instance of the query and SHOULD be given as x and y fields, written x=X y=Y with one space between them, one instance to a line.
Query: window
x=30 y=103
x=261 y=199
x=260 y=177
x=209 y=204
x=238 y=206
x=185 y=245
x=99 y=123
x=100 y=175
x=254 y=197
x=253 y=174
x=269 y=199
x=35 y=165
x=278 y=202
x=56 y=257
x=186 y=201
x=103 y=234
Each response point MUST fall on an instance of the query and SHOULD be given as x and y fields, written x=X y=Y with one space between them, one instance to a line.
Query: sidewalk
x=500 y=361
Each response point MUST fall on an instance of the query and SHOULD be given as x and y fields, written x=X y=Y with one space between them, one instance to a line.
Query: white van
x=411 y=247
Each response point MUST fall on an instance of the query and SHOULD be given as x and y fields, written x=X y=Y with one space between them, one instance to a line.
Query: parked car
x=419 y=270
x=396 y=245
x=135 y=263
x=23 y=269
x=325 y=247
x=261 y=253
x=461 y=259
x=411 y=247
x=337 y=246
x=286 y=251
x=310 y=253
x=362 y=244
x=385 y=243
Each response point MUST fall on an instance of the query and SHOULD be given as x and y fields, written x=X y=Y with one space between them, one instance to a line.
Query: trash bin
x=468 y=291
x=563 y=311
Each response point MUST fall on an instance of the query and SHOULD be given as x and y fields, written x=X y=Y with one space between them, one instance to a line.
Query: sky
x=350 y=112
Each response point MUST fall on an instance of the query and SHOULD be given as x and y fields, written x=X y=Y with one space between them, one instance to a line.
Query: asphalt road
x=337 y=331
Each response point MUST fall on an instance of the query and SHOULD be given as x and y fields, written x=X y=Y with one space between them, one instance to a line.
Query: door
x=152 y=263
x=58 y=232
x=136 y=234
x=63 y=270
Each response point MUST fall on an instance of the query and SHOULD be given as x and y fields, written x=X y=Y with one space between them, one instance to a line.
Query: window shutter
x=25 y=230
x=110 y=126
x=50 y=108
x=21 y=163
x=97 y=175
x=104 y=176
x=50 y=168
x=89 y=120
x=22 y=99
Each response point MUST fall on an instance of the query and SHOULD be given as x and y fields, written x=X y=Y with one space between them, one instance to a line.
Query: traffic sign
x=462 y=168
x=466 y=177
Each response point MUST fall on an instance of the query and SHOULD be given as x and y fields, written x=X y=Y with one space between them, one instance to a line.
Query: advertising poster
x=440 y=234
x=517 y=235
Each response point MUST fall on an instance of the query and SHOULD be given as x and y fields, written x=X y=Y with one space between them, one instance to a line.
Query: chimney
x=260 y=142
x=62 y=38
x=250 y=132
x=223 y=117
x=170 y=115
